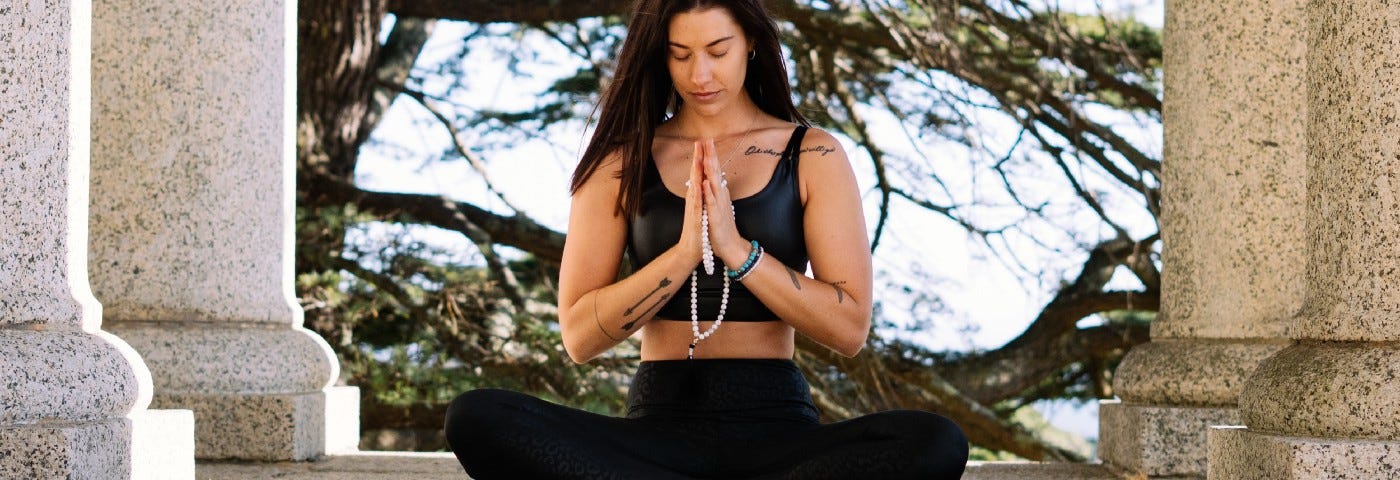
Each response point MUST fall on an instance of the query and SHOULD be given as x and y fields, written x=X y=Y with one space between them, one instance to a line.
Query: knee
x=941 y=446
x=474 y=415
x=941 y=431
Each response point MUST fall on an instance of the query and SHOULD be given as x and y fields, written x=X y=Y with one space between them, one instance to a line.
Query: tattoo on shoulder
x=840 y=294
x=793 y=275
x=754 y=150
x=821 y=150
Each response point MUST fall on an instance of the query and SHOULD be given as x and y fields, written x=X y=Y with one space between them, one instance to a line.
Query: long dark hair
x=641 y=91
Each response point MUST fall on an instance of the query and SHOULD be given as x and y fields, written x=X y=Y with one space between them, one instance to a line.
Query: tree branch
x=517 y=11
x=926 y=391
x=438 y=211
x=396 y=59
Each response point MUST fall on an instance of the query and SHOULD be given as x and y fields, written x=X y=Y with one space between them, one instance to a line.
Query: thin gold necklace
x=733 y=154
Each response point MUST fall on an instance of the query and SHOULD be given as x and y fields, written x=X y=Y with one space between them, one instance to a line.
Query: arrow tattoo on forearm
x=664 y=283
x=659 y=302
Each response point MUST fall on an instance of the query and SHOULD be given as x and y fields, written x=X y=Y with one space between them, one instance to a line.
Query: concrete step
x=443 y=466
x=348 y=466
x=1045 y=471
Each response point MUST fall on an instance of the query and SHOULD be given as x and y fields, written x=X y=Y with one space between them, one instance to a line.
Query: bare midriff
x=669 y=340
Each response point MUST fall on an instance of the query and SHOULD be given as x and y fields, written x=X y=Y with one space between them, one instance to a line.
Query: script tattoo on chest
x=821 y=150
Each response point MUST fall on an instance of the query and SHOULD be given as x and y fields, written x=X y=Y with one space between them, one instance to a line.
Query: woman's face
x=708 y=58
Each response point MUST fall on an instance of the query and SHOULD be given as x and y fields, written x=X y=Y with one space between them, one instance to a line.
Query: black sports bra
x=773 y=216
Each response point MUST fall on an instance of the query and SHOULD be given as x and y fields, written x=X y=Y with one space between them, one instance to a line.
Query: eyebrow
x=711 y=44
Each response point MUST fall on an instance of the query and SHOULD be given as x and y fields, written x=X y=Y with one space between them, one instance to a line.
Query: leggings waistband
x=721 y=390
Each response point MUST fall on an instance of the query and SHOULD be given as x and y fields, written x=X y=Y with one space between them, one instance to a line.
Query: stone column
x=73 y=398
x=1233 y=189
x=193 y=181
x=1329 y=406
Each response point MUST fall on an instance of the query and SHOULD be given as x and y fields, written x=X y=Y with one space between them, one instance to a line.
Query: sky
x=986 y=303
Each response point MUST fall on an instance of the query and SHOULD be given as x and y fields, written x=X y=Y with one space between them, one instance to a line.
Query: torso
x=747 y=175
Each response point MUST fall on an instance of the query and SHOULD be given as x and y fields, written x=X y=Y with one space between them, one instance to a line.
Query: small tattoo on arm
x=659 y=302
x=664 y=282
x=840 y=294
x=793 y=275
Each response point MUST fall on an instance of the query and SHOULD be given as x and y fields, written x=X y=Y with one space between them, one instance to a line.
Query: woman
x=700 y=163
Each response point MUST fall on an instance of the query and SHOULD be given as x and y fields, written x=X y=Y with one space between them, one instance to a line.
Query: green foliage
x=415 y=325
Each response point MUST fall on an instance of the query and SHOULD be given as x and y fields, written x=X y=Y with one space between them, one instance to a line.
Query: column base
x=151 y=444
x=271 y=427
x=1238 y=453
x=1158 y=441
x=343 y=413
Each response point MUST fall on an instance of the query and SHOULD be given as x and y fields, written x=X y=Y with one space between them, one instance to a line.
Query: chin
x=710 y=109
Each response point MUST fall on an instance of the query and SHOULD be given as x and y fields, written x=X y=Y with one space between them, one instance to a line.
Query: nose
x=702 y=71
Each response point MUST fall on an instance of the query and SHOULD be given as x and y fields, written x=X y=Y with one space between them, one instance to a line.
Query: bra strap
x=794 y=145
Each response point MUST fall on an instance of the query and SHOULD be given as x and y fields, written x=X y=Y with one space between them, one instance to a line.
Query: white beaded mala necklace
x=707 y=256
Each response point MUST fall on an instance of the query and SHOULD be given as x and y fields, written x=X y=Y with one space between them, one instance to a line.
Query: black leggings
x=718 y=418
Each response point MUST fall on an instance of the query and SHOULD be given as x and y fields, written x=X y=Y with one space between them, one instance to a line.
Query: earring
x=752 y=54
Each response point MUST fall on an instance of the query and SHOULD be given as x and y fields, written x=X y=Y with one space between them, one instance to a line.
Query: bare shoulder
x=821 y=146
x=605 y=178
x=823 y=164
x=822 y=155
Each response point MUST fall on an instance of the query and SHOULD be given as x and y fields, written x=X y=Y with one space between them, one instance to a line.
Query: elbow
x=573 y=347
x=576 y=352
x=851 y=349
x=577 y=359
x=854 y=341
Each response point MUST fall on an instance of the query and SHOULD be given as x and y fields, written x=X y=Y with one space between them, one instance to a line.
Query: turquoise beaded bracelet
x=754 y=251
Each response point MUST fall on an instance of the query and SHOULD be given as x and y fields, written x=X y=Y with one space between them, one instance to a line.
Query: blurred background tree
x=1021 y=116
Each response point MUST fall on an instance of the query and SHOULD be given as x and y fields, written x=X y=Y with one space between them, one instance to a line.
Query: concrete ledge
x=146 y=445
x=443 y=466
x=1238 y=453
x=82 y=450
x=1047 y=471
x=255 y=427
x=351 y=466
x=1158 y=441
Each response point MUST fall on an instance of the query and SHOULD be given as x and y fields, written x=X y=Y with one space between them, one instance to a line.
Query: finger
x=697 y=174
x=697 y=159
x=709 y=193
x=710 y=155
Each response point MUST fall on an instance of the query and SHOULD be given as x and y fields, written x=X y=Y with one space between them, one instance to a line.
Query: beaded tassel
x=696 y=336
x=707 y=254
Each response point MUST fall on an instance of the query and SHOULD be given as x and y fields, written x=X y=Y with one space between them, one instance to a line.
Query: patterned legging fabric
x=687 y=419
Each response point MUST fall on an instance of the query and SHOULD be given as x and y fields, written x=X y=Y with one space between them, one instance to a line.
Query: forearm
x=606 y=316
x=825 y=312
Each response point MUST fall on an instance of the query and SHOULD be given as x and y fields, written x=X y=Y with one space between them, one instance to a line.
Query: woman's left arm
x=833 y=307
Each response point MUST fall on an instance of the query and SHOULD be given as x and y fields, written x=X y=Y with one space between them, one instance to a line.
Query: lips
x=704 y=96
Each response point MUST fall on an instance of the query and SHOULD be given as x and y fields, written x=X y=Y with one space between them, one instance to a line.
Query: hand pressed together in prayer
x=731 y=248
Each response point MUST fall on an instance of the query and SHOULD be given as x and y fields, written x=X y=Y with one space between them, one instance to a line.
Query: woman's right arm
x=597 y=311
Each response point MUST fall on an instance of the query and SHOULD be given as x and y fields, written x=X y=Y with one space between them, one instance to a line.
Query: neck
x=730 y=122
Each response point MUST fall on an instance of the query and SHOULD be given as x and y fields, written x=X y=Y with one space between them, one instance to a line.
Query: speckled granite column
x=72 y=398
x=1329 y=406
x=192 y=222
x=1233 y=189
